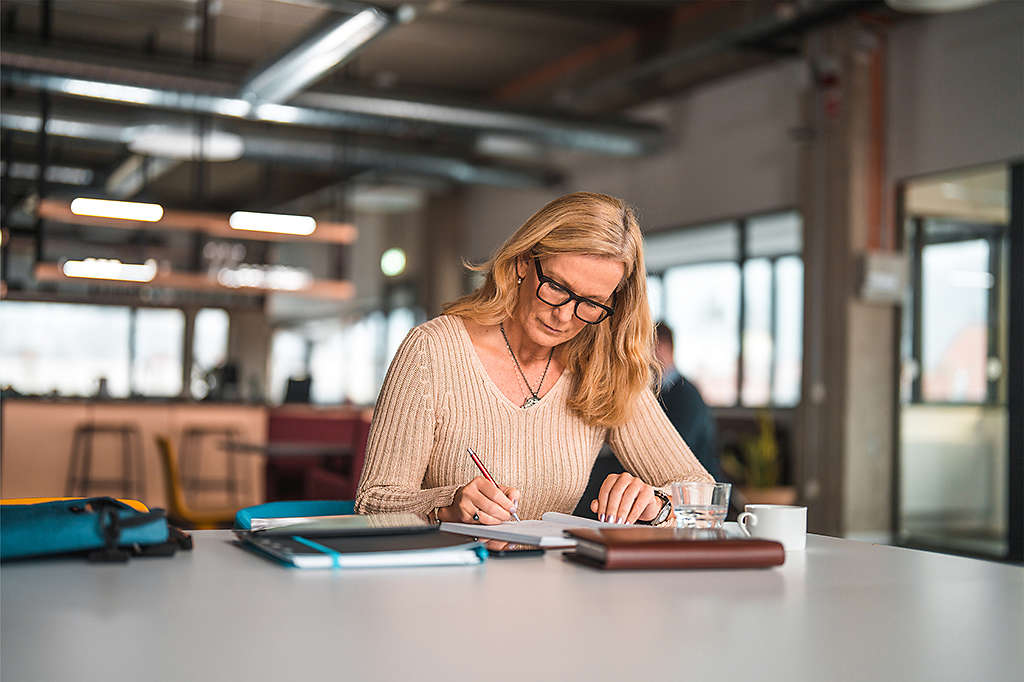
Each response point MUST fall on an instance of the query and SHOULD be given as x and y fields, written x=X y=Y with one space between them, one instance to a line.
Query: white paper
x=549 y=531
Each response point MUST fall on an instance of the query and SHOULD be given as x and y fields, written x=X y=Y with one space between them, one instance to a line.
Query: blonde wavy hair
x=610 y=362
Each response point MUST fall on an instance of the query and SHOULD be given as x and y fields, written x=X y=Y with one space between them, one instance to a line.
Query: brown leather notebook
x=618 y=548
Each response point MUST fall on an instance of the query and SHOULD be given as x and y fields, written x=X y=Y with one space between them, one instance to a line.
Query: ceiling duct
x=42 y=69
x=311 y=149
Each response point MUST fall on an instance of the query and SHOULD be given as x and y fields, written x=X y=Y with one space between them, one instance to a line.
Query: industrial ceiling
x=221 y=105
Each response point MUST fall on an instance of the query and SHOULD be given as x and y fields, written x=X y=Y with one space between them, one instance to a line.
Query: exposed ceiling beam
x=48 y=70
x=585 y=57
x=745 y=37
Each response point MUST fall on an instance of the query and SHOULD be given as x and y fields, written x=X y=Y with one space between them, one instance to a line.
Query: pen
x=487 y=475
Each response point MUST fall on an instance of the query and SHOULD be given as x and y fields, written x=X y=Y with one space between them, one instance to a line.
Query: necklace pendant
x=531 y=401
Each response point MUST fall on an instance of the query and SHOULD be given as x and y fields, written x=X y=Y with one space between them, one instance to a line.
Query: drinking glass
x=700 y=505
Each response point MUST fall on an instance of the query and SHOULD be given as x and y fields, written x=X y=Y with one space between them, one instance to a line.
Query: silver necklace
x=534 y=398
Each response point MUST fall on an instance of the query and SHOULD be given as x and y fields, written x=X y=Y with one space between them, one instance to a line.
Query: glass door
x=953 y=468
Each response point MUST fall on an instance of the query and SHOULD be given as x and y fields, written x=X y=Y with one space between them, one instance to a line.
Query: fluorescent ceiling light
x=934 y=6
x=313 y=57
x=122 y=210
x=111 y=268
x=113 y=91
x=272 y=222
x=232 y=107
x=496 y=144
x=28 y=124
x=174 y=142
x=385 y=198
x=281 y=113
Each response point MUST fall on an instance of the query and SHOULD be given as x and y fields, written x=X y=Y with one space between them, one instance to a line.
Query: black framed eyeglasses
x=555 y=295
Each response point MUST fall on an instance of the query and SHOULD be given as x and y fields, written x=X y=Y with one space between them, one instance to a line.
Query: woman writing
x=550 y=358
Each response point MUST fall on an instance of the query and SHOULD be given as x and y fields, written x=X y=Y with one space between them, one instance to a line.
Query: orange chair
x=179 y=512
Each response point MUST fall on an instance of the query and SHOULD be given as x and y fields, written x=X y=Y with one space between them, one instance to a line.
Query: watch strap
x=666 y=509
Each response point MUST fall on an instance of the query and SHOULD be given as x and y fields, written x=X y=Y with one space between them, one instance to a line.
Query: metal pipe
x=358 y=113
x=313 y=150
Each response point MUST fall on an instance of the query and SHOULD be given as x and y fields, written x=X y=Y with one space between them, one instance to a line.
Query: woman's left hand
x=624 y=498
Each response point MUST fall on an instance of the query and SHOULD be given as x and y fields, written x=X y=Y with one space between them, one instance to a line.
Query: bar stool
x=80 y=479
x=193 y=481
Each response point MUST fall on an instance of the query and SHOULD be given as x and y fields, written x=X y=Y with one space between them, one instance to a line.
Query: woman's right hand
x=491 y=504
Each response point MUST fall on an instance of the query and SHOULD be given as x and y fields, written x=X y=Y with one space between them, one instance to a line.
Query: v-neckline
x=479 y=364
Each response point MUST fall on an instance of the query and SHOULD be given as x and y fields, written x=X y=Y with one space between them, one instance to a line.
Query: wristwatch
x=666 y=509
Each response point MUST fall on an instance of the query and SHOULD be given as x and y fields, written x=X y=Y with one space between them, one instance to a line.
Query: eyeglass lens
x=554 y=295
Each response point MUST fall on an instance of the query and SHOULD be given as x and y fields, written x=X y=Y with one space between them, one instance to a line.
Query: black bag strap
x=176 y=539
x=111 y=523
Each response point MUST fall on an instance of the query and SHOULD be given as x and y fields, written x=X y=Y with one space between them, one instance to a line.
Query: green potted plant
x=756 y=469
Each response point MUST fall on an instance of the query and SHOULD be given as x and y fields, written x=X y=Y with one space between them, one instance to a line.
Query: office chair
x=177 y=510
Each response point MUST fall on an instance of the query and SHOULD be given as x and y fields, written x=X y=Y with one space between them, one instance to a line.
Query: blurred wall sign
x=276 y=277
x=219 y=255
x=883 y=277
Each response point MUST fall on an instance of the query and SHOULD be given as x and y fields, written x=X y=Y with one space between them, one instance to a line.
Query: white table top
x=842 y=610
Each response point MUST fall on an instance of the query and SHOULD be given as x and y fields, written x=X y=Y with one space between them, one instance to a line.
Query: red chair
x=316 y=476
x=338 y=478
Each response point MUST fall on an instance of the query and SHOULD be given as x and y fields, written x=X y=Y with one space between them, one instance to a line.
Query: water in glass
x=699 y=516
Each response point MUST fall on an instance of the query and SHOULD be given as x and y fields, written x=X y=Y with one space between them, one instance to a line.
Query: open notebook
x=548 y=532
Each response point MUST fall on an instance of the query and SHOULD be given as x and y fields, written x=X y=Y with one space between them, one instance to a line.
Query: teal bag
x=108 y=529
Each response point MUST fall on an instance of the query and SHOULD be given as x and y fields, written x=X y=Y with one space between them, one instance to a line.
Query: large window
x=288 y=360
x=733 y=294
x=64 y=349
x=157 y=340
x=209 y=347
x=701 y=308
x=345 y=359
x=955 y=322
x=954 y=318
x=788 y=330
x=90 y=350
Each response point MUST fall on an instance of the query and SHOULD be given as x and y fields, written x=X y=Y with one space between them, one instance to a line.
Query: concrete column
x=443 y=279
x=846 y=418
x=249 y=349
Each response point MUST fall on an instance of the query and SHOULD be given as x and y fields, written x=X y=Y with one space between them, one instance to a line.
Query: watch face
x=666 y=507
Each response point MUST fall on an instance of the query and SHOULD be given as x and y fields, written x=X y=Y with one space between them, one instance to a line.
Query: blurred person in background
x=548 y=360
x=684 y=406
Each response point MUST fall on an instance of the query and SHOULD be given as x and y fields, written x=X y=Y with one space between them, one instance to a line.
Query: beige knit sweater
x=437 y=399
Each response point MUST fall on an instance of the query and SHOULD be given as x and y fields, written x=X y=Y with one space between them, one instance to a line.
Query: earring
x=519 y=280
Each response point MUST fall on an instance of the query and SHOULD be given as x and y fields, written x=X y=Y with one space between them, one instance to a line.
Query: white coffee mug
x=780 y=522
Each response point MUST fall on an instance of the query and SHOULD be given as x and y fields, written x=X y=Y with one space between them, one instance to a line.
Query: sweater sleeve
x=402 y=435
x=651 y=449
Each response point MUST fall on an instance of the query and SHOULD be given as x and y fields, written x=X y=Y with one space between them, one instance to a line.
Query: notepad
x=382 y=551
x=398 y=523
x=549 y=531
